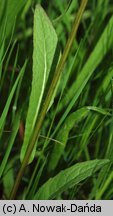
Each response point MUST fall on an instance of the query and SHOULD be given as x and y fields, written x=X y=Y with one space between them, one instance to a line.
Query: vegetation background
x=73 y=157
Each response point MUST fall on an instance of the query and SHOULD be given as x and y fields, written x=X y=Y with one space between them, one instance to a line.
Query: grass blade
x=62 y=136
x=6 y=108
x=10 y=9
x=103 y=46
x=11 y=143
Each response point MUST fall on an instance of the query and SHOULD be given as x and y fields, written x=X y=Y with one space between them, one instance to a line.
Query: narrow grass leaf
x=69 y=123
x=11 y=143
x=6 y=108
x=99 y=110
x=1 y=56
x=62 y=136
x=103 y=46
x=7 y=63
x=36 y=180
x=105 y=186
x=10 y=9
x=87 y=130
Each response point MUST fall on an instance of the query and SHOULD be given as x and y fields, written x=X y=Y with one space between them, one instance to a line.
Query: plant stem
x=56 y=77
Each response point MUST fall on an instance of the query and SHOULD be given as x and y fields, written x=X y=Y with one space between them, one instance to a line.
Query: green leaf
x=87 y=132
x=1 y=56
x=8 y=179
x=7 y=105
x=101 y=49
x=9 y=10
x=62 y=136
x=45 y=42
x=99 y=110
x=68 y=178
x=11 y=143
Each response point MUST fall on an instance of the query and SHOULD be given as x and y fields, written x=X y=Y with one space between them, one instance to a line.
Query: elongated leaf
x=6 y=108
x=1 y=56
x=45 y=41
x=99 y=110
x=11 y=143
x=103 y=46
x=9 y=10
x=87 y=130
x=7 y=62
x=8 y=179
x=35 y=181
x=68 y=178
x=63 y=136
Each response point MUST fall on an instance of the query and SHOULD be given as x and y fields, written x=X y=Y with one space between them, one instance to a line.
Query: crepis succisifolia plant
x=45 y=39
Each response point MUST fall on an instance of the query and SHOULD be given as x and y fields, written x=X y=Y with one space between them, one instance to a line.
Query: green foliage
x=9 y=10
x=8 y=179
x=6 y=108
x=101 y=49
x=68 y=178
x=11 y=143
x=62 y=137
